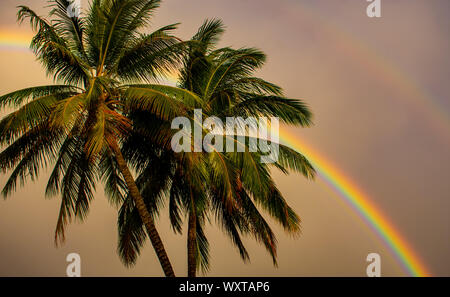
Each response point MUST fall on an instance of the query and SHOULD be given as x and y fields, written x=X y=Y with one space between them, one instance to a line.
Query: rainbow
x=361 y=203
x=14 y=40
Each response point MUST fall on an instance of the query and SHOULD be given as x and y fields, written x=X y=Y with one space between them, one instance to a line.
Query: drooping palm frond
x=28 y=154
x=17 y=98
x=77 y=187
x=288 y=159
x=258 y=226
x=27 y=117
x=66 y=153
x=203 y=258
x=131 y=234
x=53 y=51
x=275 y=204
x=115 y=186
x=291 y=160
x=232 y=223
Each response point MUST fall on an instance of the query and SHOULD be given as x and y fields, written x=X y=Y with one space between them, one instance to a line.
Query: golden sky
x=380 y=94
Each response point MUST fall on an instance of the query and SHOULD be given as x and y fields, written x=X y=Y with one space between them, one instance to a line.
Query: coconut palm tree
x=99 y=62
x=230 y=186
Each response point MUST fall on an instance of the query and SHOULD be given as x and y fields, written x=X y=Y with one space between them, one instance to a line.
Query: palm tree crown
x=97 y=60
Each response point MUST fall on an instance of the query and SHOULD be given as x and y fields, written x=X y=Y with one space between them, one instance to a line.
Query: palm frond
x=115 y=186
x=233 y=63
x=19 y=97
x=290 y=111
x=151 y=57
x=65 y=154
x=275 y=204
x=132 y=234
x=164 y=101
x=209 y=34
x=202 y=248
x=77 y=189
x=27 y=117
x=53 y=51
x=231 y=223
x=292 y=160
x=28 y=155
x=71 y=27
x=258 y=226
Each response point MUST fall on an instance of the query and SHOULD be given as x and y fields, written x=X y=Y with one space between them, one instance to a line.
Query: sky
x=379 y=92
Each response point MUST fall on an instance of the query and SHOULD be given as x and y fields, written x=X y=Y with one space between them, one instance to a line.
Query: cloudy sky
x=379 y=89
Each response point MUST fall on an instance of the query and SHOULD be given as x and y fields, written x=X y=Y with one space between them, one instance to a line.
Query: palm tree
x=77 y=125
x=231 y=186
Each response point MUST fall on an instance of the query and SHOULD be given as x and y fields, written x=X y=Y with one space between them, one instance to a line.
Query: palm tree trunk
x=192 y=244
x=143 y=212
